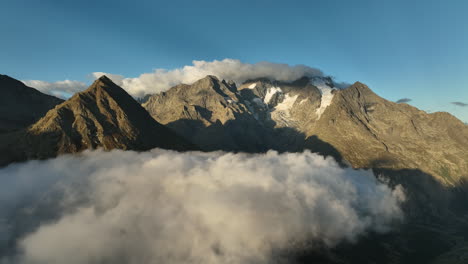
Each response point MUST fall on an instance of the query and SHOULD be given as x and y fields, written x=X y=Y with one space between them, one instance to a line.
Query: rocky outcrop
x=210 y=113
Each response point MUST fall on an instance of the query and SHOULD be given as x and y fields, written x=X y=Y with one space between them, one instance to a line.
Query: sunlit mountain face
x=233 y=132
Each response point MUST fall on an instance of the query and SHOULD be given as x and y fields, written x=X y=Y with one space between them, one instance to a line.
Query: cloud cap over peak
x=162 y=79
x=228 y=69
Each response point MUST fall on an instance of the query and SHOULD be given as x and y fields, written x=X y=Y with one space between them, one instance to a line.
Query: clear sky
x=402 y=49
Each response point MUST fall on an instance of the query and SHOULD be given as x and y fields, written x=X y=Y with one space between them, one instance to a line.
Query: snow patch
x=271 y=91
x=287 y=103
x=281 y=112
x=326 y=92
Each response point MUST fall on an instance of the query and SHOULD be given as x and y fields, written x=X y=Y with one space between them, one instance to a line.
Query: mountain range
x=103 y=116
x=426 y=153
x=354 y=125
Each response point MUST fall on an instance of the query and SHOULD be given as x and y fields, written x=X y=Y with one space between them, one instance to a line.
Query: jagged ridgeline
x=353 y=124
x=103 y=116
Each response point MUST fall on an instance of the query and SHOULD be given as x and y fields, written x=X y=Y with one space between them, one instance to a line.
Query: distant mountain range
x=426 y=153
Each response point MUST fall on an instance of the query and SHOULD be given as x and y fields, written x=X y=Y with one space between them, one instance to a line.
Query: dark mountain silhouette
x=20 y=105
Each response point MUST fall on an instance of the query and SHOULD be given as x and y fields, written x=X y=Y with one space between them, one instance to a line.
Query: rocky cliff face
x=20 y=105
x=353 y=124
x=372 y=132
x=211 y=113
x=103 y=116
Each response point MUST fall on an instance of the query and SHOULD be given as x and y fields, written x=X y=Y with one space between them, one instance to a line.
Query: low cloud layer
x=460 y=104
x=404 y=100
x=168 y=207
x=61 y=89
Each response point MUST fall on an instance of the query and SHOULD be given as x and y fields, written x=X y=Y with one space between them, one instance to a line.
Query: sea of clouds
x=168 y=207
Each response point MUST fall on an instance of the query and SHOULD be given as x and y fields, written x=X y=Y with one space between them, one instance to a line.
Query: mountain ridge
x=366 y=130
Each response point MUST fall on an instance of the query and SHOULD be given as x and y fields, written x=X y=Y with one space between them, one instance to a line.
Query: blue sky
x=401 y=49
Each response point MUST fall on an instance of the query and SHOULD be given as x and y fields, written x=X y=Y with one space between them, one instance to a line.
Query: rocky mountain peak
x=358 y=90
x=106 y=84
x=104 y=79
x=208 y=80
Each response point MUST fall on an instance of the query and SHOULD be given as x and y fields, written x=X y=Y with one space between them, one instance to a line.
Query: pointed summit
x=103 y=82
x=358 y=90
x=207 y=82
x=104 y=78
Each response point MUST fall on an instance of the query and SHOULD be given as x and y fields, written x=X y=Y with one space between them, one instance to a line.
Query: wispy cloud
x=62 y=89
x=460 y=104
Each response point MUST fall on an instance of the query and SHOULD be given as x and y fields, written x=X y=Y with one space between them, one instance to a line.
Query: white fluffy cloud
x=228 y=69
x=62 y=89
x=168 y=207
x=162 y=79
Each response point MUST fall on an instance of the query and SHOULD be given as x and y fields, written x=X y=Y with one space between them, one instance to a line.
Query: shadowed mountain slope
x=20 y=105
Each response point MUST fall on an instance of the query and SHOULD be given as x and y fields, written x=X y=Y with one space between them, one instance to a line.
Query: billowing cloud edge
x=168 y=207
